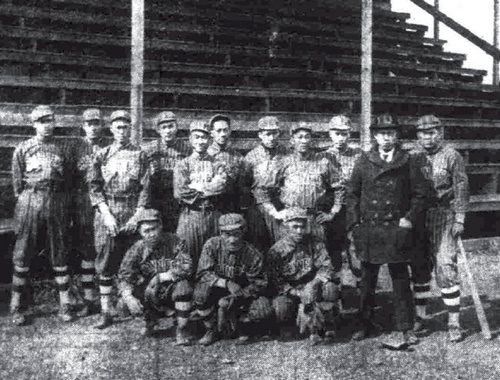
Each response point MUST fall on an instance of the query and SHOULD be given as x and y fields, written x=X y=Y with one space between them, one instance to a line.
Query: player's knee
x=182 y=291
x=283 y=308
x=260 y=309
x=330 y=292
x=201 y=294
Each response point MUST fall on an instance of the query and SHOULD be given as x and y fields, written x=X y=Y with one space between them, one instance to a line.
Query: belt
x=121 y=198
x=201 y=207
x=44 y=188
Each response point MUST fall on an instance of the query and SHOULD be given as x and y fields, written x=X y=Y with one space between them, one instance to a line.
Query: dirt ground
x=48 y=349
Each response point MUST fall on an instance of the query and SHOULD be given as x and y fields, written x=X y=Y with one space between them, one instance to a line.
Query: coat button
x=374 y=201
x=389 y=215
x=387 y=202
x=376 y=215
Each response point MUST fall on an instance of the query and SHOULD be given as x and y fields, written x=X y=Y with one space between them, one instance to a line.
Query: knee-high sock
x=87 y=279
x=62 y=281
x=451 y=298
x=105 y=289
x=19 y=283
x=421 y=293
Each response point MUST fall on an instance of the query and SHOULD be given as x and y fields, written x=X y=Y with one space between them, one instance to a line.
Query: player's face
x=297 y=229
x=92 y=128
x=269 y=138
x=44 y=127
x=168 y=130
x=339 y=138
x=386 y=139
x=233 y=239
x=301 y=141
x=199 y=141
x=150 y=231
x=121 y=131
x=430 y=138
x=221 y=132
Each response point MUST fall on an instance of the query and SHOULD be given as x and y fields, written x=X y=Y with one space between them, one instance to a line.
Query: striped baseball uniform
x=262 y=166
x=162 y=158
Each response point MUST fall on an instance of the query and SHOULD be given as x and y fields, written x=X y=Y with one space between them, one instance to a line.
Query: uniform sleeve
x=421 y=189
x=145 y=192
x=265 y=192
x=182 y=191
x=335 y=180
x=353 y=195
x=206 y=266
x=182 y=266
x=129 y=271
x=96 y=180
x=322 y=261
x=278 y=283
x=460 y=187
x=18 y=168
x=256 y=275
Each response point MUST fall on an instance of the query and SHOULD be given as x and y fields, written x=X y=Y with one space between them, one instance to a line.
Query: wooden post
x=495 y=41
x=137 y=70
x=366 y=72
x=436 y=21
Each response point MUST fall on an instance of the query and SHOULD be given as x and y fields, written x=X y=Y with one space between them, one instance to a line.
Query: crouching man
x=230 y=283
x=303 y=278
x=154 y=276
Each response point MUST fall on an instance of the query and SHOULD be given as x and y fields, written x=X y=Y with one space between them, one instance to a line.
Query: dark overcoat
x=378 y=195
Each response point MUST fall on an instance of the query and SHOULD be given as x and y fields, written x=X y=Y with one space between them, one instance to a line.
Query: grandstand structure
x=297 y=59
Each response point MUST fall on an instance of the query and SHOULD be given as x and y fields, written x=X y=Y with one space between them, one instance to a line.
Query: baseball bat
x=481 y=316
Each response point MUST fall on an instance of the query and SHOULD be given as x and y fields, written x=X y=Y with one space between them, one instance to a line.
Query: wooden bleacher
x=204 y=57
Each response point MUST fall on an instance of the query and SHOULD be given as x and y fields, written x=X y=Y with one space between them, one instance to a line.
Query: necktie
x=385 y=157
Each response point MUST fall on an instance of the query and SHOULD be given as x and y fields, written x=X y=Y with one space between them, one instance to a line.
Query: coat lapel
x=399 y=159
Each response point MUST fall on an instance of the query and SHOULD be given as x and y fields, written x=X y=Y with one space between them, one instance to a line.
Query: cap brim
x=230 y=227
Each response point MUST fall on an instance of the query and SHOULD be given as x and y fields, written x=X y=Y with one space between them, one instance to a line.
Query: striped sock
x=421 y=293
x=105 y=290
x=182 y=309
x=62 y=281
x=87 y=279
x=19 y=283
x=451 y=299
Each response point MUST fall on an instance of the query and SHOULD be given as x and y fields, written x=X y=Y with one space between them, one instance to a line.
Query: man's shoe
x=181 y=337
x=105 y=321
x=65 y=313
x=455 y=334
x=242 y=340
x=88 y=308
x=209 y=338
x=18 y=318
x=411 y=338
x=149 y=329
x=420 y=326
x=315 y=339
x=395 y=341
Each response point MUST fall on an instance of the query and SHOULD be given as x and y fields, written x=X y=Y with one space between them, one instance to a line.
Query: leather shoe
x=395 y=341
x=105 y=321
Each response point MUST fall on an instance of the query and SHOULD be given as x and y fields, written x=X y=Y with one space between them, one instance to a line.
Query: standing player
x=302 y=277
x=231 y=279
x=154 y=276
x=119 y=190
x=40 y=176
x=386 y=193
x=445 y=219
x=262 y=164
x=163 y=154
x=81 y=209
x=201 y=185
x=220 y=127
x=340 y=131
x=305 y=179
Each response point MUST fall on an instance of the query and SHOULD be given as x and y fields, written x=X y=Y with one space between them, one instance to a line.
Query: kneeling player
x=154 y=276
x=303 y=278
x=230 y=282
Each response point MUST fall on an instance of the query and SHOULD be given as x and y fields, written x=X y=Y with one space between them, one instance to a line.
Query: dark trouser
x=336 y=239
x=175 y=296
x=403 y=300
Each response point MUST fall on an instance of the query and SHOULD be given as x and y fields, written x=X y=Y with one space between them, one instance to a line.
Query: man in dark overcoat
x=386 y=194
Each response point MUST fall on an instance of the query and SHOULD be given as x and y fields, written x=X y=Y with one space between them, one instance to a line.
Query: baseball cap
x=294 y=213
x=230 y=222
x=340 y=122
x=120 y=115
x=91 y=114
x=219 y=117
x=41 y=112
x=149 y=215
x=199 y=125
x=269 y=123
x=165 y=116
x=301 y=126
x=428 y=122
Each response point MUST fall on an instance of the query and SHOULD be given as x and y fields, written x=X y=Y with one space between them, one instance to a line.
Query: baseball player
x=262 y=164
x=119 y=190
x=81 y=209
x=444 y=219
x=40 y=176
x=386 y=193
x=154 y=275
x=163 y=154
x=220 y=129
x=231 y=279
x=307 y=179
x=302 y=277
x=340 y=129
x=201 y=184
